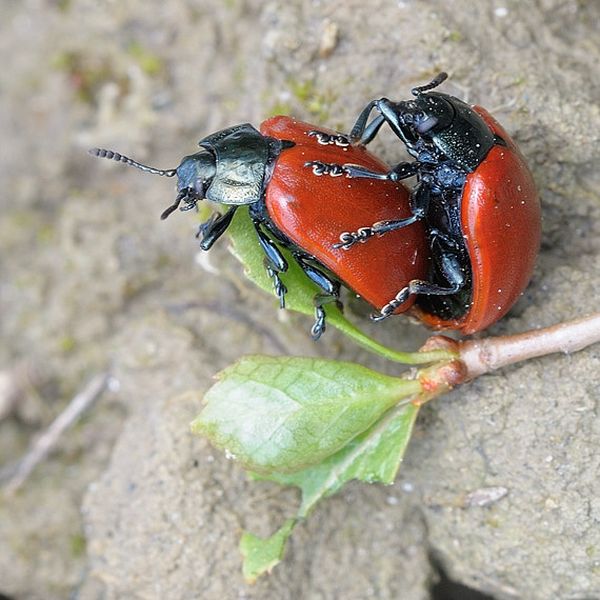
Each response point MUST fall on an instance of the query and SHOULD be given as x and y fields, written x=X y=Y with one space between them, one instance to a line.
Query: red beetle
x=303 y=211
x=478 y=201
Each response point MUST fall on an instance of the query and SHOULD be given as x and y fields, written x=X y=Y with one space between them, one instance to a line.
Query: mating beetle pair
x=462 y=245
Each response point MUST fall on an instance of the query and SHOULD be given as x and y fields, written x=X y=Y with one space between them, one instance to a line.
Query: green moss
x=150 y=63
x=313 y=100
x=230 y=104
x=279 y=108
x=493 y=522
x=78 y=545
x=302 y=90
x=46 y=234
x=67 y=344
x=86 y=75
x=64 y=5
x=23 y=219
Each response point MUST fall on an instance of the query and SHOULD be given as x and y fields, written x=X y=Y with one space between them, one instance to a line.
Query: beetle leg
x=402 y=170
x=362 y=234
x=419 y=204
x=357 y=133
x=368 y=131
x=363 y=133
x=447 y=255
x=331 y=292
x=420 y=197
x=416 y=286
x=359 y=172
x=319 y=326
x=320 y=168
x=325 y=139
x=449 y=265
x=392 y=112
x=278 y=285
x=210 y=231
x=450 y=243
x=275 y=263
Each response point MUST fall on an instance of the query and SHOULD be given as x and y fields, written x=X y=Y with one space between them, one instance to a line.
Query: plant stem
x=483 y=356
x=41 y=447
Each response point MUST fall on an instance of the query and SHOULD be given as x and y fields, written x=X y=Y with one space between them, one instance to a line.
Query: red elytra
x=312 y=212
x=501 y=224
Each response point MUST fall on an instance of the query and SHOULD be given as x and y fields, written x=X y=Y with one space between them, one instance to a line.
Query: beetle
x=302 y=211
x=476 y=196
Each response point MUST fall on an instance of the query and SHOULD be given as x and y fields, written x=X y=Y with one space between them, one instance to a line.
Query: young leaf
x=374 y=456
x=285 y=414
x=301 y=292
x=262 y=554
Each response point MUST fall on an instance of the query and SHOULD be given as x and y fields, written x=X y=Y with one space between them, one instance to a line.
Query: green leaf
x=374 y=456
x=284 y=414
x=301 y=292
x=262 y=554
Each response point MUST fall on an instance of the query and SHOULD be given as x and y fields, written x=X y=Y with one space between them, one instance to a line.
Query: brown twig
x=483 y=356
x=477 y=357
x=42 y=446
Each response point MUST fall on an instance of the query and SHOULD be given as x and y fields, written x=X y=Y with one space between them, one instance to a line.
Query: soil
x=130 y=505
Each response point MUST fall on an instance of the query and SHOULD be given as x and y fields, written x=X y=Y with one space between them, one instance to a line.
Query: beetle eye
x=427 y=124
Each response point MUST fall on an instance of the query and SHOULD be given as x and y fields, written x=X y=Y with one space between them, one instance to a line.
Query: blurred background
x=100 y=298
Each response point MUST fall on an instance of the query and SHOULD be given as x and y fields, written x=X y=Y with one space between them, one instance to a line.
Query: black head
x=194 y=176
x=428 y=112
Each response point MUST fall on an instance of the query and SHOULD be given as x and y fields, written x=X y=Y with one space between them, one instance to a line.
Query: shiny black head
x=428 y=112
x=194 y=176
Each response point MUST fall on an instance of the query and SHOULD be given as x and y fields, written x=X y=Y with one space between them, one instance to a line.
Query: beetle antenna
x=102 y=153
x=437 y=80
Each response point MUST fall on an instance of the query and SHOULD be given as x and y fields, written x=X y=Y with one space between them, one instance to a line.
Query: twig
x=42 y=446
x=483 y=356
x=477 y=357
